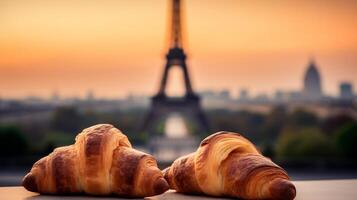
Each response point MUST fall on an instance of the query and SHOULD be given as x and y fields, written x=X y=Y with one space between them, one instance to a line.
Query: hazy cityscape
x=311 y=93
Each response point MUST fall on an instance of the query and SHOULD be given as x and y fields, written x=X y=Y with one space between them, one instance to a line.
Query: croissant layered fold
x=101 y=162
x=227 y=164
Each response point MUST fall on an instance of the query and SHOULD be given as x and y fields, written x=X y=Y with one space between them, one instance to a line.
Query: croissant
x=101 y=162
x=227 y=164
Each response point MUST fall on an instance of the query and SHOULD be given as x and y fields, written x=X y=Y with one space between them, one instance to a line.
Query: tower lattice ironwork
x=189 y=104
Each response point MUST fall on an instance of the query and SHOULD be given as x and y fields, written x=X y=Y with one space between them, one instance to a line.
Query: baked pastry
x=101 y=162
x=227 y=164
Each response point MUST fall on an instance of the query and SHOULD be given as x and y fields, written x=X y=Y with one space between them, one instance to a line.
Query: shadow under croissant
x=172 y=194
x=165 y=196
x=77 y=197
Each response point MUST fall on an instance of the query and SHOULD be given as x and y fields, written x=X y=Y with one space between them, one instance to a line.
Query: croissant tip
x=160 y=186
x=283 y=189
x=29 y=182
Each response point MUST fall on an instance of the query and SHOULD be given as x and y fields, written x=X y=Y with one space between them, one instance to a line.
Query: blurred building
x=346 y=91
x=312 y=83
x=224 y=94
x=262 y=98
x=243 y=95
x=55 y=97
x=279 y=96
x=216 y=99
x=90 y=96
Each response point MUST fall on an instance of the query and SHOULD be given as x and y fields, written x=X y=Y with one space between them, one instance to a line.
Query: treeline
x=293 y=136
x=285 y=136
x=38 y=138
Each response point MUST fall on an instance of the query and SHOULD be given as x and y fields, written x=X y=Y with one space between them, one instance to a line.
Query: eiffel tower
x=189 y=104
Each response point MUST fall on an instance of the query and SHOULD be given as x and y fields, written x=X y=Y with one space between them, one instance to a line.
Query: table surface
x=306 y=190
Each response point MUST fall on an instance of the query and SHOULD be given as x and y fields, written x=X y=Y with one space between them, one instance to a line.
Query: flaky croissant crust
x=227 y=164
x=101 y=162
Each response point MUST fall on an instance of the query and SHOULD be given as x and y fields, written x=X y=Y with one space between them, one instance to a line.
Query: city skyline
x=117 y=48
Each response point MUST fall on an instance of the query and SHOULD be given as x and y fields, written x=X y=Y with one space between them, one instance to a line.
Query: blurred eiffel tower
x=189 y=104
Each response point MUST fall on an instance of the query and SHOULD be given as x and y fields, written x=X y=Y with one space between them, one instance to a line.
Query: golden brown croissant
x=227 y=164
x=101 y=162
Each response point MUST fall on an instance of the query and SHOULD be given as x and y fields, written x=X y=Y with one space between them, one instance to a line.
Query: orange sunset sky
x=117 y=47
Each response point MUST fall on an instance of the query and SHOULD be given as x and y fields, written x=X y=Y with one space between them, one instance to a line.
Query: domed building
x=312 y=83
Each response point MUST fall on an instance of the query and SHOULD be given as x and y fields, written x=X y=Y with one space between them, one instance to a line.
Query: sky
x=118 y=47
